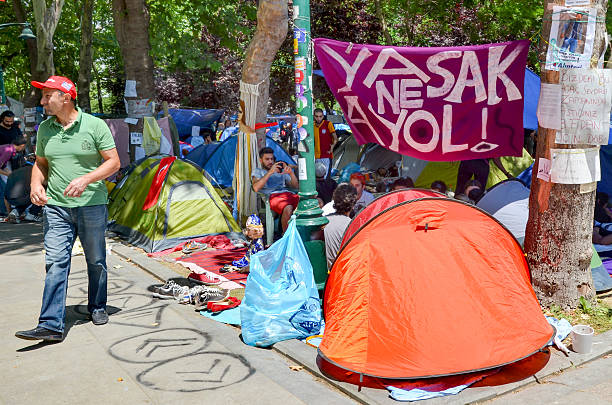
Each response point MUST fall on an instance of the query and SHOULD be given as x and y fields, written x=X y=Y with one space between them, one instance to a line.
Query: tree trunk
x=559 y=229
x=383 y=23
x=131 y=19
x=85 y=55
x=32 y=97
x=46 y=23
x=98 y=89
x=272 y=23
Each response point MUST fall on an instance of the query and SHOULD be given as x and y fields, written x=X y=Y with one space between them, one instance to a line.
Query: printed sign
x=436 y=104
x=300 y=35
x=585 y=106
x=572 y=33
x=302 y=174
x=549 y=106
x=136 y=138
x=575 y=166
x=544 y=169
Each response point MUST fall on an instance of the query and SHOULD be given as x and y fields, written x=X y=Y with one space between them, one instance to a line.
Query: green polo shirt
x=72 y=153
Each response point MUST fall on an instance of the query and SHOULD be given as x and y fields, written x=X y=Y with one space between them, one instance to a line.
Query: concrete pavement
x=152 y=351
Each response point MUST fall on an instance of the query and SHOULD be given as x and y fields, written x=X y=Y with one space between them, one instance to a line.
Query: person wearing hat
x=75 y=152
x=325 y=185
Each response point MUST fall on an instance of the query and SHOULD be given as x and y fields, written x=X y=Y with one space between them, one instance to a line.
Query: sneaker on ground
x=193 y=246
x=210 y=295
x=13 y=217
x=166 y=291
x=182 y=294
x=204 y=279
x=32 y=218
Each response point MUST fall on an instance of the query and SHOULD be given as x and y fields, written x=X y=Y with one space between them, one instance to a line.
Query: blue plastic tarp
x=185 y=119
x=218 y=158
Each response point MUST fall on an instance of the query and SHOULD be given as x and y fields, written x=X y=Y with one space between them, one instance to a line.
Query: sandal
x=228 y=303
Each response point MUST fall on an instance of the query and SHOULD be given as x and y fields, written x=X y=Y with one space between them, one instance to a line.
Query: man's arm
x=293 y=183
x=108 y=168
x=259 y=183
x=501 y=167
x=40 y=172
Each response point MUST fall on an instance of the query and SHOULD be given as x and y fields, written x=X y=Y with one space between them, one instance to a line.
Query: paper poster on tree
x=586 y=98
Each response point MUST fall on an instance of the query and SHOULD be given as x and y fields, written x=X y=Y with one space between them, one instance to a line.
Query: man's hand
x=276 y=168
x=38 y=196
x=287 y=169
x=76 y=187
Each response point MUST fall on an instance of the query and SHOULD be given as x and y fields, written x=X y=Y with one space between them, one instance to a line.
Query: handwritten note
x=585 y=106
x=575 y=166
x=544 y=169
x=549 y=106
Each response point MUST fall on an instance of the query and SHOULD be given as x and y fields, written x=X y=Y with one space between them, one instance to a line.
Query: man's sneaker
x=99 y=317
x=40 y=333
x=204 y=279
x=193 y=246
x=166 y=291
x=13 y=217
x=32 y=218
x=182 y=294
x=209 y=295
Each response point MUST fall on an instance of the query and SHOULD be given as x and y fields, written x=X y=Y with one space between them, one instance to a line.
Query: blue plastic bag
x=281 y=300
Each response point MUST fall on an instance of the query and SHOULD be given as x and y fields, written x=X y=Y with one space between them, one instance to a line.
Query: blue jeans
x=61 y=226
x=2 y=206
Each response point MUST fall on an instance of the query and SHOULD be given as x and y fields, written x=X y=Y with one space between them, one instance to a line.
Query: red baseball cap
x=59 y=83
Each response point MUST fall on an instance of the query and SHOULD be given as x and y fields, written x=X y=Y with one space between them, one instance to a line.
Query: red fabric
x=278 y=201
x=158 y=182
x=214 y=241
x=213 y=260
x=259 y=125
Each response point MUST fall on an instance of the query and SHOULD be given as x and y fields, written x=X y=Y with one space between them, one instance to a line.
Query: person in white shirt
x=344 y=198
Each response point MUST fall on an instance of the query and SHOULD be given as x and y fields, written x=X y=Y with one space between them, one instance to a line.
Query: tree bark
x=131 y=18
x=383 y=23
x=272 y=25
x=559 y=230
x=46 y=23
x=85 y=55
x=32 y=97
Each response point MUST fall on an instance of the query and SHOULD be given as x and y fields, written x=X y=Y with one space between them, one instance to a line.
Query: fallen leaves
x=296 y=368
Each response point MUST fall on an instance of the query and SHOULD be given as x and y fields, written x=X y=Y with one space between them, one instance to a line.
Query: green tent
x=188 y=207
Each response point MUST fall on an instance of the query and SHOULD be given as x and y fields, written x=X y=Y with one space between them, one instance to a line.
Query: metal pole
x=309 y=219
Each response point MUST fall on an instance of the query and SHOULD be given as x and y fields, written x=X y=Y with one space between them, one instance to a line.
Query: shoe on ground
x=40 y=333
x=99 y=317
x=13 y=217
x=32 y=218
x=210 y=295
x=193 y=246
x=166 y=291
x=204 y=279
x=228 y=303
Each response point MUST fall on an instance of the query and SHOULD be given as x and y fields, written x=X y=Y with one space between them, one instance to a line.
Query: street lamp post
x=26 y=33
x=309 y=219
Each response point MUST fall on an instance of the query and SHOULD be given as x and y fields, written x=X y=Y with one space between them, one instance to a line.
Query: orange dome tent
x=430 y=287
x=382 y=203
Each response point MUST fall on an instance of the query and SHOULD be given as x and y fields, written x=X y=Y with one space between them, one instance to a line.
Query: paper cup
x=582 y=339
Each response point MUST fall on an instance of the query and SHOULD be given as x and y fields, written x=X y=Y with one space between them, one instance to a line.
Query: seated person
x=364 y=198
x=602 y=211
x=402 y=183
x=274 y=179
x=344 y=199
x=439 y=186
x=602 y=233
x=325 y=185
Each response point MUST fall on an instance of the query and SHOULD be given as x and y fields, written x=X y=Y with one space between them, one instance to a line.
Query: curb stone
x=306 y=355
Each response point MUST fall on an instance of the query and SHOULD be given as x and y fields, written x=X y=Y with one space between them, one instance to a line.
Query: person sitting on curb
x=344 y=199
x=274 y=179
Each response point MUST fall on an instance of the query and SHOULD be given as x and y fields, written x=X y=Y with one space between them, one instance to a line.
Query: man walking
x=70 y=147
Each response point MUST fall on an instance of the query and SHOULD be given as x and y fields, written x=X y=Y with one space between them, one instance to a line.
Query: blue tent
x=185 y=119
x=218 y=158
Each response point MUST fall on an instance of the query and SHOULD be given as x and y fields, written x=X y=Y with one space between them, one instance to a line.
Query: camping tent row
x=434 y=264
x=187 y=206
x=218 y=159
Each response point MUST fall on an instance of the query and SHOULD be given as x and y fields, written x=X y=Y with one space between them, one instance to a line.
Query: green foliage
x=598 y=315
